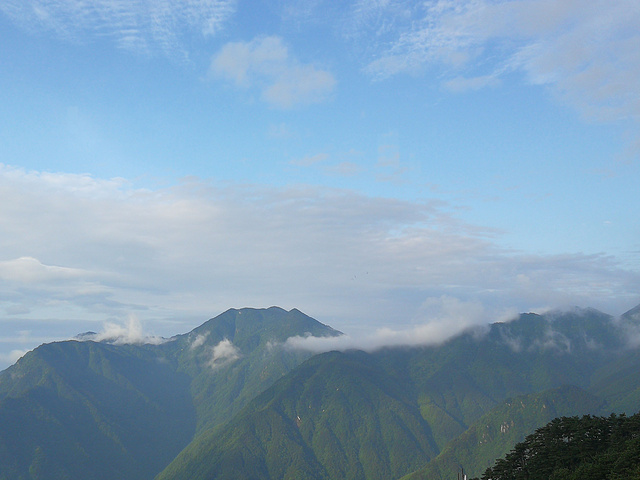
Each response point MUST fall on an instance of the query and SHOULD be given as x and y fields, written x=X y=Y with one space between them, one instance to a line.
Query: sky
x=384 y=166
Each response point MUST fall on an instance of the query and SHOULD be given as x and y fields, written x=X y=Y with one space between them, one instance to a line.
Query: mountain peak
x=633 y=314
x=274 y=322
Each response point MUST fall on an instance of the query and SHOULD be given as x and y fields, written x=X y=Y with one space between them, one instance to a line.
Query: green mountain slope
x=461 y=380
x=338 y=415
x=495 y=433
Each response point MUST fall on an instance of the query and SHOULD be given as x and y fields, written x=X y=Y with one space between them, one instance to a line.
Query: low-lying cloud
x=129 y=333
x=215 y=356
x=198 y=341
x=223 y=353
x=442 y=318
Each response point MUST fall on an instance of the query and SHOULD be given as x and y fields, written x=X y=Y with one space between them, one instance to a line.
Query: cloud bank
x=82 y=249
x=108 y=247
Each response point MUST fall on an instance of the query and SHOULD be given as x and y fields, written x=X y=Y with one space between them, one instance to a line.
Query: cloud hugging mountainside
x=233 y=399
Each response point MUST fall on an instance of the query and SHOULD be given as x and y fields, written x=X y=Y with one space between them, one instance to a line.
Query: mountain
x=101 y=411
x=326 y=414
x=632 y=315
x=236 y=355
x=228 y=400
x=338 y=415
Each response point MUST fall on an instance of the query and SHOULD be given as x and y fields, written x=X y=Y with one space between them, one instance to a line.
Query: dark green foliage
x=572 y=448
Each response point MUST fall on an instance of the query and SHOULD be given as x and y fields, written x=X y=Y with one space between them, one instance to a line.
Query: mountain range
x=231 y=400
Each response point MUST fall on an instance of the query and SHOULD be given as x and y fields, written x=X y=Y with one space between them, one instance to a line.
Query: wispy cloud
x=266 y=64
x=309 y=160
x=344 y=169
x=463 y=84
x=587 y=52
x=142 y=26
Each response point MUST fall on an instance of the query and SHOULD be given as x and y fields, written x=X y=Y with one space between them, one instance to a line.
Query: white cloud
x=238 y=60
x=77 y=247
x=265 y=63
x=552 y=340
x=588 y=52
x=630 y=328
x=12 y=357
x=131 y=333
x=31 y=270
x=223 y=353
x=198 y=341
x=298 y=85
x=440 y=319
x=141 y=26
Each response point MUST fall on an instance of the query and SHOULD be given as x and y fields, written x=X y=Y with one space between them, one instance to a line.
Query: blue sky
x=376 y=164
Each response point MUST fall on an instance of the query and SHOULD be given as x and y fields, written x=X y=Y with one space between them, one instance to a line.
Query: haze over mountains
x=239 y=398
